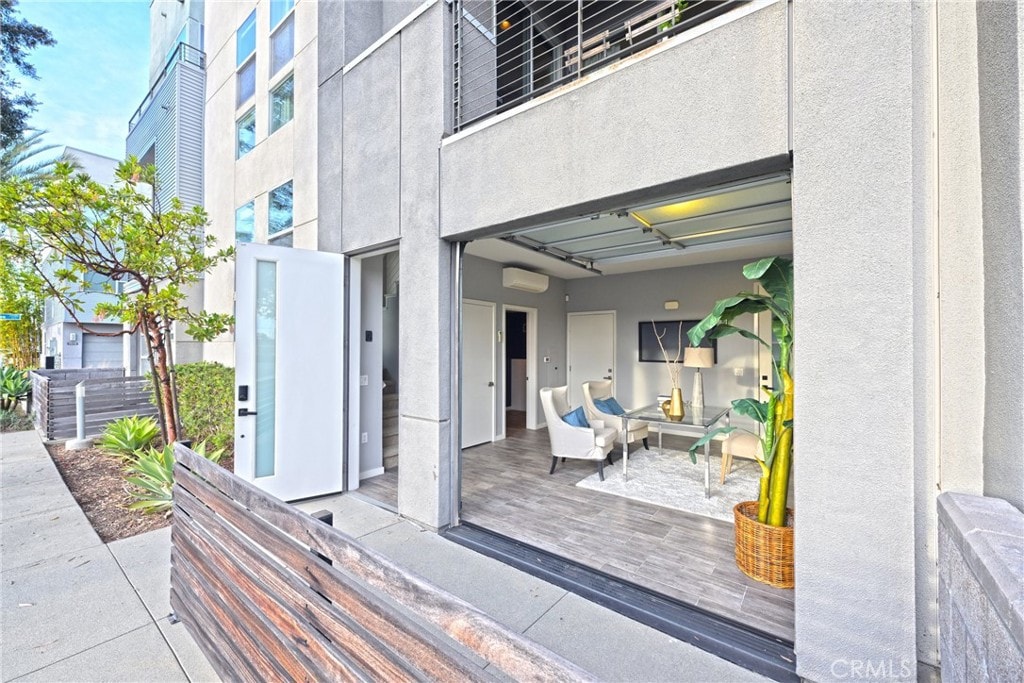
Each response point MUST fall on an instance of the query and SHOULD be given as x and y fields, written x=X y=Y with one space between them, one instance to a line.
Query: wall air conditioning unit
x=524 y=280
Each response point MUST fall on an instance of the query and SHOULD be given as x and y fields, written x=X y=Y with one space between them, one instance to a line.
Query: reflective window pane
x=279 y=216
x=282 y=45
x=246 y=78
x=245 y=222
x=279 y=8
x=282 y=103
x=245 y=39
x=284 y=240
x=266 y=365
x=245 y=138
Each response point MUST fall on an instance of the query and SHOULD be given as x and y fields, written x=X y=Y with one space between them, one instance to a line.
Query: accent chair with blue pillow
x=593 y=442
x=601 y=406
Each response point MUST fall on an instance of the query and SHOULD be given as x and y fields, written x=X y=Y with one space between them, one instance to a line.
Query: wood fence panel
x=108 y=396
x=271 y=593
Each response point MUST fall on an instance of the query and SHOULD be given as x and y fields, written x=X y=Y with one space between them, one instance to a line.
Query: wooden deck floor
x=506 y=488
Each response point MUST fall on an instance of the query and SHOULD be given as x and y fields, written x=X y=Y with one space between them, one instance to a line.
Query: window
x=245 y=134
x=246 y=82
x=245 y=39
x=279 y=8
x=282 y=103
x=279 y=216
x=284 y=240
x=245 y=222
x=282 y=46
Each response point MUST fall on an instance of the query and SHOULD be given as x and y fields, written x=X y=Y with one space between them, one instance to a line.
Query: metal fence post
x=80 y=442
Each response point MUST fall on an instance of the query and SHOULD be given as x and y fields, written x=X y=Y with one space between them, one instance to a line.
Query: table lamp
x=698 y=358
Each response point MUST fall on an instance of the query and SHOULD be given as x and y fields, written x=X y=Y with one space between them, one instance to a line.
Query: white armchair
x=600 y=389
x=583 y=443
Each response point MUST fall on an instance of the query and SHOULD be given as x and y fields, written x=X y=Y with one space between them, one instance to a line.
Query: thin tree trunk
x=174 y=377
x=157 y=396
x=160 y=369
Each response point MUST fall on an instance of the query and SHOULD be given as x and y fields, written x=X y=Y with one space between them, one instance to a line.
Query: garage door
x=101 y=352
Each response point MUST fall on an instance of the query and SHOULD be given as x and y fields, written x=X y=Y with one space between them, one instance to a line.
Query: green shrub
x=13 y=421
x=126 y=435
x=152 y=475
x=206 y=402
x=14 y=386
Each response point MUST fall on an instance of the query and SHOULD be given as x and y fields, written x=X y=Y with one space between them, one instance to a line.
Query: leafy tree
x=17 y=39
x=70 y=229
x=20 y=340
x=21 y=158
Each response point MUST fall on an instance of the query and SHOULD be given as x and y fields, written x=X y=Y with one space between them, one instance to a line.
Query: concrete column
x=999 y=90
x=857 y=238
x=425 y=464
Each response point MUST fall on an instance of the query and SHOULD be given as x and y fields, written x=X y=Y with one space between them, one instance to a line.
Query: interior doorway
x=591 y=352
x=519 y=368
x=375 y=375
x=478 y=402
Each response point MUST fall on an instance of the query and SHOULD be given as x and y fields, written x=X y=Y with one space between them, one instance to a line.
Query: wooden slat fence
x=108 y=396
x=270 y=593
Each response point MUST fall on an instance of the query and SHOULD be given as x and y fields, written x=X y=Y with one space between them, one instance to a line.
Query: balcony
x=506 y=52
x=183 y=53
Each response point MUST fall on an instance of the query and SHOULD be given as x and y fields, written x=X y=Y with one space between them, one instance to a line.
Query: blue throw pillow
x=609 y=406
x=577 y=418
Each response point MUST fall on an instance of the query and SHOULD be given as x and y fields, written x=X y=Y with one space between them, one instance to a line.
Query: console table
x=700 y=421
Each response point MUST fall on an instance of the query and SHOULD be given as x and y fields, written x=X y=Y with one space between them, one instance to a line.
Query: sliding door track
x=731 y=640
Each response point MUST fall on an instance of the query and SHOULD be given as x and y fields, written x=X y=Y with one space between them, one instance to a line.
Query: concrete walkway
x=72 y=608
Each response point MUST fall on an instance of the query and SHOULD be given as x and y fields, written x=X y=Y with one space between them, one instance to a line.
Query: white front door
x=478 y=395
x=591 y=353
x=289 y=370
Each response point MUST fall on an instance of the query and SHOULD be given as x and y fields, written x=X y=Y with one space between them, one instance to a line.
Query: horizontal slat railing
x=507 y=53
x=271 y=593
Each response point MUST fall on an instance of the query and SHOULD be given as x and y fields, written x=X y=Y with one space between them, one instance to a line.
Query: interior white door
x=591 y=352
x=289 y=328
x=478 y=392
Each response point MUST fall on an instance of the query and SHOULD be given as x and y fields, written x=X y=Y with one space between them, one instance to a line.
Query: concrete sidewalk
x=72 y=608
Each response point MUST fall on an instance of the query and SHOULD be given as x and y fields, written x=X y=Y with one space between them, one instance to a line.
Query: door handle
x=607 y=376
x=245 y=412
x=490 y=384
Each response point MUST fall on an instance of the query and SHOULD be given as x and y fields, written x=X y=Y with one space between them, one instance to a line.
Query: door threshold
x=743 y=645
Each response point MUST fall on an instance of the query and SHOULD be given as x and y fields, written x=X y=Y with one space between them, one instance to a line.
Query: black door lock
x=243 y=392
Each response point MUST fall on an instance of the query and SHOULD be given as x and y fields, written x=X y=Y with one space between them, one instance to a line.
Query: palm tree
x=21 y=158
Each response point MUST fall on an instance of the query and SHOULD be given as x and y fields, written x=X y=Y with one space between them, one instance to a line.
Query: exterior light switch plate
x=364 y=380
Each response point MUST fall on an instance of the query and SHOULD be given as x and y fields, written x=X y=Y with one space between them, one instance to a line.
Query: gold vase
x=673 y=408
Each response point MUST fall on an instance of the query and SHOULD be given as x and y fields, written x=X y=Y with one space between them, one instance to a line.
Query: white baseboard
x=376 y=471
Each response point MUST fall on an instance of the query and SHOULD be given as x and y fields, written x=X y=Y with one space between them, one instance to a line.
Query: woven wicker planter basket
x=764 y=552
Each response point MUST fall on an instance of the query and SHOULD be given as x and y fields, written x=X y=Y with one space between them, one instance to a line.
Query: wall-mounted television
x=650 y=352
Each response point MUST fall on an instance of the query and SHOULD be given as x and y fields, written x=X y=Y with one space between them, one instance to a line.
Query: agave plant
x=152 y=475
x=775 y=275
x=14 y=386
x=125 y=436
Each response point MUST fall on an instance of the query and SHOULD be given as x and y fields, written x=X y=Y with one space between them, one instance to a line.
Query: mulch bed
x=96 y=481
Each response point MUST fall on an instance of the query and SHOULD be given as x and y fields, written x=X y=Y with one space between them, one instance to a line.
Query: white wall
x=371 y=355
x=640 y=297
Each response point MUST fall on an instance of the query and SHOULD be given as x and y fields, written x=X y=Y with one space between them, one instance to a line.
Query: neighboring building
x=261 y=111
x=167 y=128
x=65 y=344
x=878 y=143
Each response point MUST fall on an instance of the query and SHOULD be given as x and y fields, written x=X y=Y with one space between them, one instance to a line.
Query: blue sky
x=92 y=81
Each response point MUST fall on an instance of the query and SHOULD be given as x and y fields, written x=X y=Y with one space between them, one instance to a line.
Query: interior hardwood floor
x=506 y=488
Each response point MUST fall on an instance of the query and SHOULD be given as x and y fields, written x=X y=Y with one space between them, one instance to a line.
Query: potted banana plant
x=764 y=528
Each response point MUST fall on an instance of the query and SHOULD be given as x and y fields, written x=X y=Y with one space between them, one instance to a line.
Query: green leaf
x=706 y=438
x=723 y=330
x=752 y=408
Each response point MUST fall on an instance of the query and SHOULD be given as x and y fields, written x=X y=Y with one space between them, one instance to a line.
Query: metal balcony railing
x=508 y=51
x=183 y=53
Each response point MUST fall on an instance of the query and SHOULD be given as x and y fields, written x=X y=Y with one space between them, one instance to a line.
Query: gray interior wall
x=711 y=103
x=999 y=84
x=371 y=363
x=857 y=379
x=640 y=297
x=481 y=279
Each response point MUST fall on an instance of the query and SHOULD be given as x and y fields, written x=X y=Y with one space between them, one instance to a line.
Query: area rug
x=670 y=480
